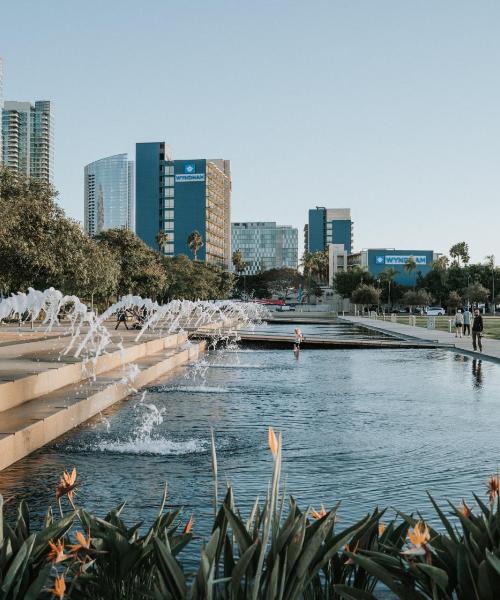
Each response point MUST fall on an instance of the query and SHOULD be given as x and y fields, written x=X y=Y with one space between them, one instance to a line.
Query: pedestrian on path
x=467 y=318
x=121 y=317
x=459 y=323
x=477 y=331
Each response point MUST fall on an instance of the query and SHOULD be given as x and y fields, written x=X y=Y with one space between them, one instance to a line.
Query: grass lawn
x=491 y=324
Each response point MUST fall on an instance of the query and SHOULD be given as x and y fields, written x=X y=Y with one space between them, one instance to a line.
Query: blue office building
x=181 y=196
x=329 y=226
x=376 y=260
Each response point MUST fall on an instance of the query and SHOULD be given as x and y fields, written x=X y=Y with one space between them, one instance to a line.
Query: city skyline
x=388 y=109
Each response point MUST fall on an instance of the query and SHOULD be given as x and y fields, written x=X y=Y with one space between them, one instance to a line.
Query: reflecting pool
x=366 y=427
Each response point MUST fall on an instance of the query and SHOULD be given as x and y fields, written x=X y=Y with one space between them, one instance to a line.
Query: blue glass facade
x=378 y=259
x=317 y=230
x=329 y=226
x=179 y=197
x=148 y=190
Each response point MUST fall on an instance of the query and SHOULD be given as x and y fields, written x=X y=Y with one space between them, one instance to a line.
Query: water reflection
x=477 y=373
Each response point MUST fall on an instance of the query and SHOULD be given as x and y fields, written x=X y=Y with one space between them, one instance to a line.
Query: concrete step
x=33 y=369
x=27 y=427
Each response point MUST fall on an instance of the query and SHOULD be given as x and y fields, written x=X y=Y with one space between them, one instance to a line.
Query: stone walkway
x=491 y=348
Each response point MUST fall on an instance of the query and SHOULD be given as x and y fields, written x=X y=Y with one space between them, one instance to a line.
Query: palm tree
x=490 y=262
x=161 y=239
x=195 y=242
x=410 y=267
x=388 y=274
x=239 y=266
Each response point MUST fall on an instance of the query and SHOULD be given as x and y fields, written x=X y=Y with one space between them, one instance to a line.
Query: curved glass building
x=109 y=194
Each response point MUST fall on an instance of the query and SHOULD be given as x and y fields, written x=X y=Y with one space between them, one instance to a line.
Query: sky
x=388 y=107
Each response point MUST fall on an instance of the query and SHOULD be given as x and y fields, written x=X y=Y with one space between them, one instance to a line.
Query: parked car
x=285 y=308
x=435 y=311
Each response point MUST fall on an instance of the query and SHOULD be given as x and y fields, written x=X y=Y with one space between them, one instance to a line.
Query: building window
x=169 y=214
x=169 y=181
x=169 y=203
x=169 y=192
x=168 y=248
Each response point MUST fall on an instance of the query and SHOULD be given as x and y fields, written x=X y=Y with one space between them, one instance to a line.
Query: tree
x=413 y=298
x=460 y=252
x=345 y=282
x=490 y=263
x=141 y=269
x=476 y=292
x=195 y=242
x=366 y=295
x=162 y=237
x=387 y=276
x=40 y=247
x=238 y=263
x=410 y=267
x=454 y=300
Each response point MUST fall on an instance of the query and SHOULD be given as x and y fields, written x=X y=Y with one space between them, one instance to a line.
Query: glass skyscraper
x=266 y=245
x=28 y=138
x=109 y=194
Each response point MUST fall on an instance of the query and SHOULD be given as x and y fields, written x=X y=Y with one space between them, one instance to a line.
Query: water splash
x=143 y=440
x=218 y=319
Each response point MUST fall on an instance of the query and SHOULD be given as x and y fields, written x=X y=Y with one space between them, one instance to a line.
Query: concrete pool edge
x=441 y=339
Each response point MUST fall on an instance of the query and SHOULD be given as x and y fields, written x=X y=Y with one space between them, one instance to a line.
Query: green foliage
x=316 y=266
x=345 y=282
x=366 y=294
x=194 y=242
x=460 y=253
x=475 y=293
x=40 y=247
x=141 y=269
x=238 y=262
x=277 y=551
x=279 y=282
x=416 y=298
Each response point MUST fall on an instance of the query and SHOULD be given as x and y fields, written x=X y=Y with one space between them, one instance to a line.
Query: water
x=366 y=427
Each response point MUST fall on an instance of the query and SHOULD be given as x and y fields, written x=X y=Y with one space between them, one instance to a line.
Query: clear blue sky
x=391 y=108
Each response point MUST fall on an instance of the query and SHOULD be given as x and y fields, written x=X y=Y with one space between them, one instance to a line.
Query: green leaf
x=33 y=592
x=385 y=577
x=170 y=570
x=493 y=560
x=17 y=564
x=241 y=567
x=349 y=593
x=437 y=575
x=242 y=536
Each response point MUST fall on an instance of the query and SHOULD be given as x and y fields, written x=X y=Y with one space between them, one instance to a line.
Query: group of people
x=137 y=317
x=463 y=322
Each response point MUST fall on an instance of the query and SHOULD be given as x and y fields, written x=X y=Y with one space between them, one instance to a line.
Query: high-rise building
x=181 y=196
x=28 y=138
x=265 y=245
x=109 y=194
x=329 y=226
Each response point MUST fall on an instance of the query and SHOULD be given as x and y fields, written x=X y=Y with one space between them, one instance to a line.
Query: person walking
x=477 y=331
x=121 y=317
x=467 y=318
x=459 y=323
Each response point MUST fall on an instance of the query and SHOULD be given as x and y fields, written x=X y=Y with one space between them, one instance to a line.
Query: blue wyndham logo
x=189 y=168
x=380 y=260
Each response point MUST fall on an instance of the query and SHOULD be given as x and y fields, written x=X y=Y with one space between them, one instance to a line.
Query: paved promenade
x=491 y=348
